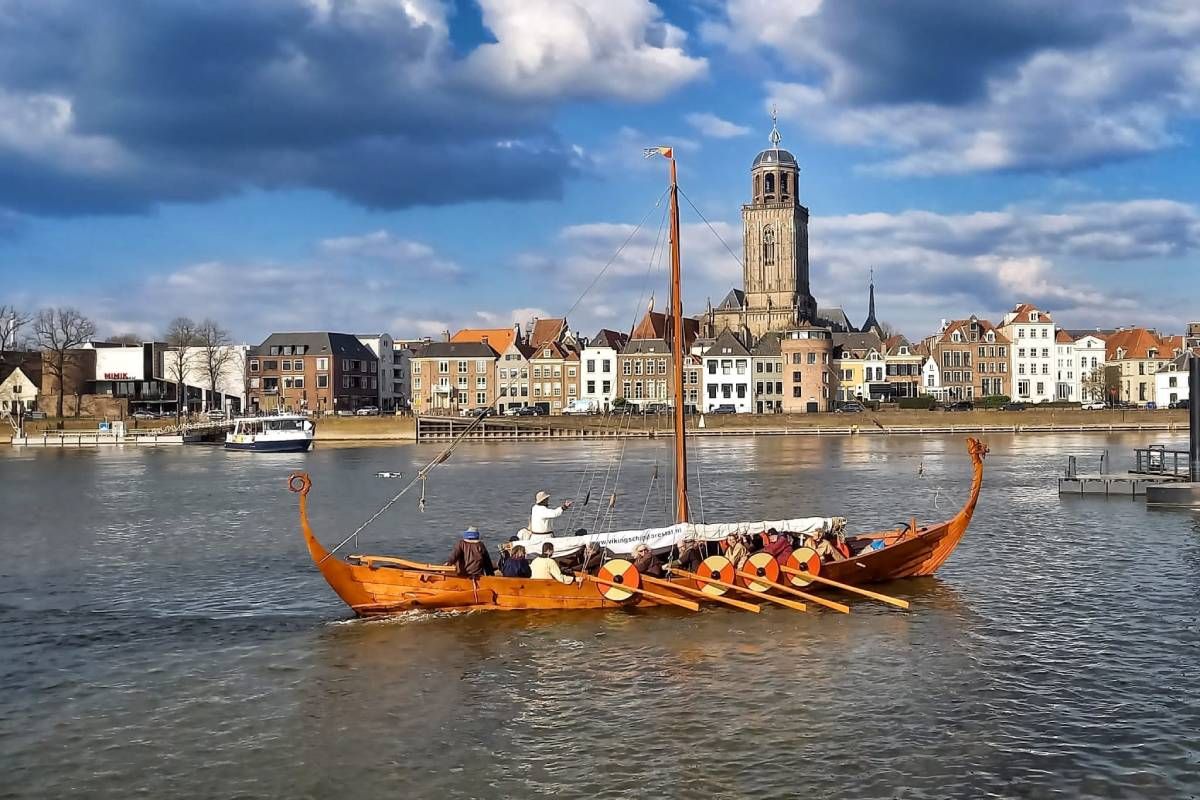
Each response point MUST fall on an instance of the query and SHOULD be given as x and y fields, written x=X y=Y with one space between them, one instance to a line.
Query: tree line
x=58 y=334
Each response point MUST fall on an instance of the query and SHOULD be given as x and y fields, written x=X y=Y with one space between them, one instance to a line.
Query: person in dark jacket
x=516 y=565
x=469 y=557
x=778 y=545
x=645 y=562
x=691 y=554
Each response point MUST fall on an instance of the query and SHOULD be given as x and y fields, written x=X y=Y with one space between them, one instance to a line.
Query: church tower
x=776 y=293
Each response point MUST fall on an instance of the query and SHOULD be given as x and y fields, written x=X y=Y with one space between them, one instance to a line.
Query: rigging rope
x=421 y=476
x=710 y=227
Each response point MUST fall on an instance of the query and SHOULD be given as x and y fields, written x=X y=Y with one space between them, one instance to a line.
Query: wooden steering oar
x=845 y=587
x=688 y=590
x=403 y=562
x=690 y=605
x=821 y=601
x=792 y=604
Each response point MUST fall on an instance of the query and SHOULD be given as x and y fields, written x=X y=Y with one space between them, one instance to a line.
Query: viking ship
x=375 y=585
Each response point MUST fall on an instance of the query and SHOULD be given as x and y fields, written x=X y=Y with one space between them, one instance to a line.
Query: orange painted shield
x=765 y=567
x=804 y=559
x=719 y=568
x=618 y=571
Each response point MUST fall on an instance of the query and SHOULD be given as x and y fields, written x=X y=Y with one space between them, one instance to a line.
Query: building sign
x=116 y=376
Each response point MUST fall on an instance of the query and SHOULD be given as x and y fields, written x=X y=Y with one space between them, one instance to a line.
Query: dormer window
x=1033 y=316
x=956 y=337
x=546 y=353
x=991 y=337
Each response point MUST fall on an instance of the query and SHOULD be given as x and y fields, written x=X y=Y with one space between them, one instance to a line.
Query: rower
x=779 y=546
x=545 y=568
x=691 y=553
x=645 y=562
x=542 y=516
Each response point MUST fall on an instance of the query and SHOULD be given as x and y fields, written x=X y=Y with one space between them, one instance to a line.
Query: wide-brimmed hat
x=471 y=534
x=541 y=496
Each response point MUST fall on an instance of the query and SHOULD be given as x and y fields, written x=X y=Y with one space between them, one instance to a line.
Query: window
x=462 y=367
x=591 y=387
x=287 y=366
x=558 y=372
x=662 y=366
x=796 y=377
x=606 y=386
x=712 y=391
x=626 y=369
x=270 y=365
x=481 y=398
x=537 y=372
x=1041 y=387
x=812 y=358
x=298 y=382
x=1045 y=333
x=637 y=367
x=481 y=382
x=443 y=367
x=287 y=350
x=571 y=390
x=345 y=381
x=254 y=383
x=590 y=366
x=274 y=349
x=254 y=365
x=768 y=240
x=625 y=388
x=323 y=364
x=796 y=391
x=606 y=365
x=481 y=365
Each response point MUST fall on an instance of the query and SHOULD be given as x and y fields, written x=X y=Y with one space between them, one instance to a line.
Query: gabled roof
x=497 y=338
x=1135 y=344
x=892 y=345
x=456 y=350
x=546 y=330
x=733 y=301
x=963 y=326
x=1062 y=337
x=655 y=325
x=520 y=347
x=29 y=362
x=833 y=317
x=607 y=338
x=341 y=345
x=767 y=345
x=1020 y=315
x=557 y=351
x=727 y=344
x=857 y=345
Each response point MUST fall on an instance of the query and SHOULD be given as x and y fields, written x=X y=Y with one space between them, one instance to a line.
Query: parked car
x=35 y=415
x=1014 y=407
x=1094 y=405
x=367 y=411
x=215 y=413
x=531 y=411
x=961 y=405
x=1184 y=404
x=658 y=408
x=850 y=407
x=724 y=408
x=345 y=412
x=627 y=408
x=135 y=415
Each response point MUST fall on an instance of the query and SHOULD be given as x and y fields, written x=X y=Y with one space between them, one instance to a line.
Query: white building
x=1089 y=361
x=146 y=374
x=1067 y=379
x=18 y=390
x=1032 y=355
x=384 y=348
x=230 y=364
x=598 y=372
x=727 y=375
x=931 y=379
x=1171 y=382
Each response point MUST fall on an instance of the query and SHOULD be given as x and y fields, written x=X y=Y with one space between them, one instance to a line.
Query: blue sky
x=416 y=165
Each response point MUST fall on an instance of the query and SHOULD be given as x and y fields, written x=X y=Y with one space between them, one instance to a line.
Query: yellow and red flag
x=665 y=152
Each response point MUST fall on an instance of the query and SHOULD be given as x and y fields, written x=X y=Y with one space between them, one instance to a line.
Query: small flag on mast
x=651 y=152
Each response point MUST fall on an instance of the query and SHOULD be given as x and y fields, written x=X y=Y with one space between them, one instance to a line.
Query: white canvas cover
x=661 y=540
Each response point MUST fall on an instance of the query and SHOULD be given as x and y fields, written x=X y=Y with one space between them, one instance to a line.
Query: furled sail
x=661 y=540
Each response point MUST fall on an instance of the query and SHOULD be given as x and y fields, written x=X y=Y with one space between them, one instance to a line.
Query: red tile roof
x=547 y=330
x=498 y=339
x=1136 y=344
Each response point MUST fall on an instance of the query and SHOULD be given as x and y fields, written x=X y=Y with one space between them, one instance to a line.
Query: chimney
x=446 y=334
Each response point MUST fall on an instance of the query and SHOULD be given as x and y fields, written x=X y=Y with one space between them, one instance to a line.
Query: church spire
x=775 y=137
x=872 y=324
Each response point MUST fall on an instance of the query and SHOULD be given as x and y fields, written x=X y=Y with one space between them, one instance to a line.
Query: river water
x=164 y=634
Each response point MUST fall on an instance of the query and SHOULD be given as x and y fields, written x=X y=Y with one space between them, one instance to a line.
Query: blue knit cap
x=471 y=534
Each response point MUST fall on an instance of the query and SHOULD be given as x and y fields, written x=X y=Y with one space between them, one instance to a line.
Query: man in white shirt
x=542 y=516
x=545 y=568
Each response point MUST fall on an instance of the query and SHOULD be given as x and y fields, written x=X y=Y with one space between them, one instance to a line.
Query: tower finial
x=775 y=137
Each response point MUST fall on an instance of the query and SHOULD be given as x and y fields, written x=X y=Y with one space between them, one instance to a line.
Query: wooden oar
x=883 y=598
x=403 y=562
x=661 y=598
x=821 y=601
x=688 y=590
x=733 y=587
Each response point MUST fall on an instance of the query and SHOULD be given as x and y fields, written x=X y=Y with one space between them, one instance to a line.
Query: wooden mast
x=678 y=350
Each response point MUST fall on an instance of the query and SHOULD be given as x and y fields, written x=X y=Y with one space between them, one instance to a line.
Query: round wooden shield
x=619 y=571
x=804 y=559
x=718 y=568
x=763 y=566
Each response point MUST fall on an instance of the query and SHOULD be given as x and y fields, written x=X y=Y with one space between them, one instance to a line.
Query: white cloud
x=580 y=49
x=1001 y=87
x=714 y=127
x=386 y=248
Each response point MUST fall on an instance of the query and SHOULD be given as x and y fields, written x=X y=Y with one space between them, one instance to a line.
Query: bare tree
x=124 y=338
x=59 y=332
x=11 y=323
x=1093 y=385
x=887 y=330
x=215 y=355
x=181 y=334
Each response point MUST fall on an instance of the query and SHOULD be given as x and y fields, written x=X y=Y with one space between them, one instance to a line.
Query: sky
x=412 y=166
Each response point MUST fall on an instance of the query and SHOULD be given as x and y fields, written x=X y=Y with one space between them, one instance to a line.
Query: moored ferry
x=283 y=433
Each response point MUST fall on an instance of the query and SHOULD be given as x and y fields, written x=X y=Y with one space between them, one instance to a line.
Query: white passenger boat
x=283 y=433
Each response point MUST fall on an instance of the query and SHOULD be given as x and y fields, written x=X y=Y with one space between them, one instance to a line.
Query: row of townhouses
x=803 y=369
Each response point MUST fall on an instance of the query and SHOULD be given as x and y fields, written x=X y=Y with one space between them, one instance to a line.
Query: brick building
x=810 y=382
x=449 y=377
x=321 y=372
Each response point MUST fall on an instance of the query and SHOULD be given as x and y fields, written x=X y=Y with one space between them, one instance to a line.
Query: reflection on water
x=163 y=632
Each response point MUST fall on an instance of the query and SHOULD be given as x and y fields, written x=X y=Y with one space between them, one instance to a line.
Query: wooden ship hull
x=381 y=585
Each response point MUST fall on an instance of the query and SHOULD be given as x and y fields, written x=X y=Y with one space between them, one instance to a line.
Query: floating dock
x=1121 y=484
